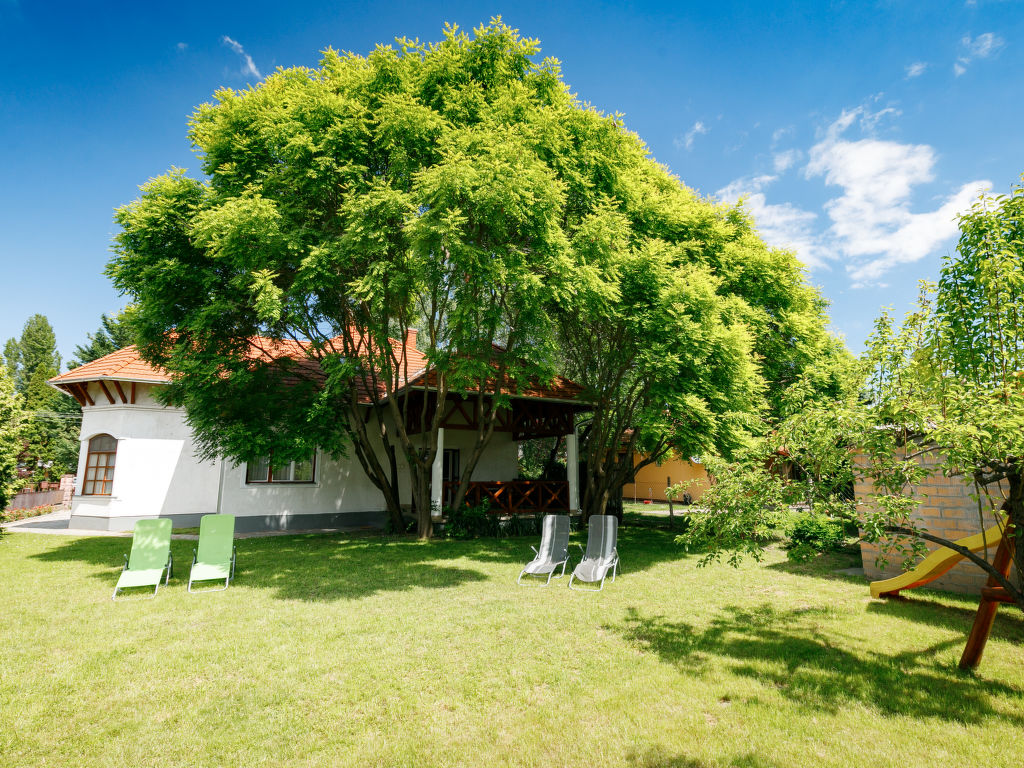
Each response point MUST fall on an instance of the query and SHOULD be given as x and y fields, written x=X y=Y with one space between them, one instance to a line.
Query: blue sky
x=855 y=129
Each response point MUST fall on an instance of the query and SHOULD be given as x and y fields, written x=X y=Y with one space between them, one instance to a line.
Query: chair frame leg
x=551 y=575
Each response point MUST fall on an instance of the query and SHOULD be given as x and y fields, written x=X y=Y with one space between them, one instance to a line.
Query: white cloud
x=873 y=228
x=983 y=46
x=248 y=66
x=870 y=225
x=916 y=69
x=783 y=161
x=181 y=46
x=783 y=225
x=686 y=141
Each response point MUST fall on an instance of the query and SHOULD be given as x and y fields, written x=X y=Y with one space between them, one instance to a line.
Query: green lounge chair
x=150 y=557
x=215 y=558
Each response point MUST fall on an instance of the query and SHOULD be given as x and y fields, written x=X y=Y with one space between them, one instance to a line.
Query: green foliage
x=11 y=423
x=542 y=459
x=115 y=332
x=49 y=430
x=469 y=522
x=743 y=509
x=813 y=533
x=35 y=349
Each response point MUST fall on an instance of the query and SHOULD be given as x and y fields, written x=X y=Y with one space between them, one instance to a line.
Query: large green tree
x=458 y=188
x=691 y=331
x=417 y=186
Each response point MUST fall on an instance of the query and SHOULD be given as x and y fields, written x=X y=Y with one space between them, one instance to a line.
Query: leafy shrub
x=479 y=522
x=471 y=522
x=813 y=533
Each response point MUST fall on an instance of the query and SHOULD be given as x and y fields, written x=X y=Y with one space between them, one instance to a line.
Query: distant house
x=650 y=481
x=138 y=459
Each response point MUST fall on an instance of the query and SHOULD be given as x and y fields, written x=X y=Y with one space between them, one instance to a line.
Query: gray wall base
x=243 y=524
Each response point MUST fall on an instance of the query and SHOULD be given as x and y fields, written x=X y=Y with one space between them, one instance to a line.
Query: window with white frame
x=266 y=470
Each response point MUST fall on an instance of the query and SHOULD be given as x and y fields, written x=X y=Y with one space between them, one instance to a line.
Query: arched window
x=99 y=467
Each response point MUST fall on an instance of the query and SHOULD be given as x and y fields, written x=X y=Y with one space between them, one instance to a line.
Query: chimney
x=410 y=338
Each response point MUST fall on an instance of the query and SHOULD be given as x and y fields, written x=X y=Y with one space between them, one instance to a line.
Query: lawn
x=357 y=651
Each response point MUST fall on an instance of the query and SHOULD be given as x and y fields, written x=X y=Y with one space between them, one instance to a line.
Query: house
x=138 y=458
x=651 y=480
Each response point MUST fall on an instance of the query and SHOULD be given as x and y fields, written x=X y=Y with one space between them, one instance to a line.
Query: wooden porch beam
x=120 y=392
x=73 y=391
x=83 y=387
x=106 y=391
x=133 y=393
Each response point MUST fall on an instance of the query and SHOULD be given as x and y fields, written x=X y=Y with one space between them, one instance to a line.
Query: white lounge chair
x=601 y=555
x=553 y=552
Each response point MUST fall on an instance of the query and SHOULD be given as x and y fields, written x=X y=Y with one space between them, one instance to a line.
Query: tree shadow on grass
x=320 y=567
x=1009 y=624
x=345 y=566
x=925 y=606
x=657 y=757
x=789 y=651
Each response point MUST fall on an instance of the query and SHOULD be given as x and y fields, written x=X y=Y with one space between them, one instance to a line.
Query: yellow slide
x=936 y=564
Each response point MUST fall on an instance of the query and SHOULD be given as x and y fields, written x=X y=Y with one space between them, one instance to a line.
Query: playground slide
x=936 y=564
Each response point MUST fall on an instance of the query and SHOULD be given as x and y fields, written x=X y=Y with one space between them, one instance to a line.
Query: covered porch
x=543 y=412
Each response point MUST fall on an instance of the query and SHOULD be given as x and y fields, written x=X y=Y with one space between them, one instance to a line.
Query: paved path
x=56 y=523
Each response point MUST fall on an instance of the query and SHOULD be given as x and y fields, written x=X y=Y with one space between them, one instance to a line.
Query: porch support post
x=436 y=476
x=572 y=469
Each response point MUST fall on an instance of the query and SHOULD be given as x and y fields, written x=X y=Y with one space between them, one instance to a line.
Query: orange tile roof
x=127 y=365
x=124 y=364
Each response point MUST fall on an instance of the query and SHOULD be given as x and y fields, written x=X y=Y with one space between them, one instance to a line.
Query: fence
x=59 y=496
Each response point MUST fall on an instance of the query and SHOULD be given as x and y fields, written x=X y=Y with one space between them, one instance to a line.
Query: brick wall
x=946 y=510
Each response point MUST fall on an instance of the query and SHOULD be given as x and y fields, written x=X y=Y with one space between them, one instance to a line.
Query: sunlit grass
x=335 y=650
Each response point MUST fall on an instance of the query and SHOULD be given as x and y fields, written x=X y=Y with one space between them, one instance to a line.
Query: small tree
x=11 y=421
x=49 y=434
x=947 y=383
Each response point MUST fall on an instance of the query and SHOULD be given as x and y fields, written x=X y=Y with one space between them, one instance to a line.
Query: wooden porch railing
x=514 y=497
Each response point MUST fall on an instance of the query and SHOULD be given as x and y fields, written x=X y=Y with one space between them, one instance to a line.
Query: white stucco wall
x=158 y=474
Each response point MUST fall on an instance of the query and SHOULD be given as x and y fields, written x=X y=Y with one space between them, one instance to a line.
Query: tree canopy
x=458 y=188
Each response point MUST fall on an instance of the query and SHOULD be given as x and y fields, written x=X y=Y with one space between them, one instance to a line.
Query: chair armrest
x=125 y=566
x=583 y=552
x=535 y=552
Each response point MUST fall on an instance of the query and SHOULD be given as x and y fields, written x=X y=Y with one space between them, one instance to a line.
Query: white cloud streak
x=686 y=141
x=916 y=69
x=783 y=161
x=782 y=225
x=981 y=47
x=248 y=66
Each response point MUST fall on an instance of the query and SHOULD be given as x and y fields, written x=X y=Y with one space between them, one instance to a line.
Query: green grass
x=363 y=651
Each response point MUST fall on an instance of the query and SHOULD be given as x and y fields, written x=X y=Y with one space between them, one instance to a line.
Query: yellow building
x=652 y=480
